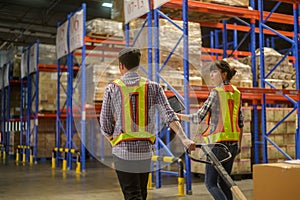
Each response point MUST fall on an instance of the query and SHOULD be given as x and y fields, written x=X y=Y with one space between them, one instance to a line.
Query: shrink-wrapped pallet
x=281 y=77
x=104 y=28
x=117 y=12
x=271 y=58
x=47 y=54
x=97 y=78
x=16 y=71
x=240 y=3
x=169 y=35
x=48 y=91
x=243 y=76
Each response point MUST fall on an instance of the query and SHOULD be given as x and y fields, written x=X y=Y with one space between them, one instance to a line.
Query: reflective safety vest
x=134 y=130
x=227 y=128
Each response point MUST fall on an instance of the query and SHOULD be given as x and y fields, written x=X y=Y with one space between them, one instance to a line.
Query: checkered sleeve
x=203 y=111
x=106 y=115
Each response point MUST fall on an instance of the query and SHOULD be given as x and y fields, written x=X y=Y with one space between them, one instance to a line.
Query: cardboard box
x=247 y=140
x=247 y=112
x=244 y=166
x=276 y=181
x=291 y=127
x=292 y=117
x=247 y=126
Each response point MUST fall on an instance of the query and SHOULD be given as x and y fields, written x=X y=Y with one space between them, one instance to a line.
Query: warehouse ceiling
x=22 y=22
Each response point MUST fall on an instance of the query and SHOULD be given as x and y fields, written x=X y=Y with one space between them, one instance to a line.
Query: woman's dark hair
x=130 y=57
x=224 y=67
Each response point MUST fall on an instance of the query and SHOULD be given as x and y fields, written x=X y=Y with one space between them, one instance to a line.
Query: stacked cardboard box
x=45 y=137
x=98 y=76
x=15 y=100
x=283 y=135
x=48 y=91
x=14 y=141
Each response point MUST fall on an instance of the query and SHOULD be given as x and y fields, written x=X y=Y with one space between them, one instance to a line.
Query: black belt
x=230 y=143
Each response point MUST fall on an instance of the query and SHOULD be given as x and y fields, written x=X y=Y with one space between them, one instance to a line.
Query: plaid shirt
x=111 y=117
x=212 y=105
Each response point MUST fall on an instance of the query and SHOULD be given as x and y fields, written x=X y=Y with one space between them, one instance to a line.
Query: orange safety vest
x=134 y=130
x=227 y=128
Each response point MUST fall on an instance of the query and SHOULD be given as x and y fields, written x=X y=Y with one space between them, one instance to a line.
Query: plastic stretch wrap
x=243 y=76
x=283 y=76
x=117 y=12
x=104 y=28
x=47 y=54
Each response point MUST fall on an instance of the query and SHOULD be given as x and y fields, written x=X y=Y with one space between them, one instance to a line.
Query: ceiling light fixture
x=108 y=5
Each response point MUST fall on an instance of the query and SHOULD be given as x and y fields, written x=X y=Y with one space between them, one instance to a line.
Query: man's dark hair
x=130 y=57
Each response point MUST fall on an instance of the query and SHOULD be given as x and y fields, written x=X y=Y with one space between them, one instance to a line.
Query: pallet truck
x=213 y=160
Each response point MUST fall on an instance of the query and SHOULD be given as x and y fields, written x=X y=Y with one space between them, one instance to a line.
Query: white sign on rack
x=135 y=8
x=61 y=40
x=158 y=3
x=24 y=60
x=76 y=31
x=33 y=58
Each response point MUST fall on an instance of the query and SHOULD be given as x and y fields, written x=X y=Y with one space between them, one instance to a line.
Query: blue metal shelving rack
x=214 y=44
x=69 y=130
x=155 y=44
x=294 y=50
x=1 y=105
x=1 y=102
x=158 y=69
x=5 y=108
x=23 y=103
x=31 y=104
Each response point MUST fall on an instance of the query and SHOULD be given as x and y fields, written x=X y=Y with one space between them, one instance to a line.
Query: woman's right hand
x=180 y=116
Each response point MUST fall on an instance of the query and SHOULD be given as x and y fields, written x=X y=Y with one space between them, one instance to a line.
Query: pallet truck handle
x=210 y=146
x=238 y=193
x=218 y=166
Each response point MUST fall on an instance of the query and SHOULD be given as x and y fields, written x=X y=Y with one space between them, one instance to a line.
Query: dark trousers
x=213 y=181
x=133 y=177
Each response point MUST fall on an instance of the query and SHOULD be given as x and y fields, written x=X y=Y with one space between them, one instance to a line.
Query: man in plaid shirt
x=128 y=119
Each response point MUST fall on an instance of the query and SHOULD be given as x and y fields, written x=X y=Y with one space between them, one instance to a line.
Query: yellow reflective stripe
x=127 y=122
x=231 y=133
x=219 y=137
x=126 y=90
x=225 y=111
x=236 y=98
x=133 y=136
x=142 y=105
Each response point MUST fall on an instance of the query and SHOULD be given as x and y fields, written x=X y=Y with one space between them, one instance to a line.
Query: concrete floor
x=40 y=182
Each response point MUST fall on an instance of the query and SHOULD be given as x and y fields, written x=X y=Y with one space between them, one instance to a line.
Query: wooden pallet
x=103 y=36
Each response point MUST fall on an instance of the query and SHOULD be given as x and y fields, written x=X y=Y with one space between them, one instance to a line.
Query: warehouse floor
x=40 y=182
